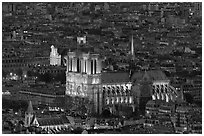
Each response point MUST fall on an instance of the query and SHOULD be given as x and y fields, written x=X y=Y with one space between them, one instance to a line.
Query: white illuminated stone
x=117 y=100
x=167 y=98
x=130 y=99
x=158 y=97
x=121 y=99
x=162 y=96
x=113 y=100
x=55 y=58
x=153 y=97
x=126 y=100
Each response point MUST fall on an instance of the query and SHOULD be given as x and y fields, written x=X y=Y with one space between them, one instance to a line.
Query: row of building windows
x=112 y=100
x=149 y=121
x=22 y=60
x=194 y=90
x=51 y=71
x=27 y=65
x=14 y=61
x=78 y=93
x=14 y=65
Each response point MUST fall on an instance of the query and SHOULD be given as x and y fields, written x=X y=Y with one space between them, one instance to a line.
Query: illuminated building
x=49 y=125
x=194 y=89
x=114 y=90
x=55 y=58
x=85 y=79
x=12 y=60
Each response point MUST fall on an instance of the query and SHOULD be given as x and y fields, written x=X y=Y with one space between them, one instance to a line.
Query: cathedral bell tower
x=29 y=115
x=83 y=77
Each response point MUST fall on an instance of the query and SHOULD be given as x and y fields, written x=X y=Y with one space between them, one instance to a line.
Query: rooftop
x=52 y=121
x=115 y=77
x=152 y=75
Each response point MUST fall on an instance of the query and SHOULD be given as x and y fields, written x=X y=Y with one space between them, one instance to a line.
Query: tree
x=78 y=130
x=15 y=105
x=21 y=122
x=68 y=103
x=61 y=77
x=30 y=73
x=80 y=105
x=38 y=130
x=47 y=77
x=106 y=113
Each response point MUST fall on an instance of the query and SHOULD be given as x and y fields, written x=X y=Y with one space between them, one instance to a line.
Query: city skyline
x=102 y=67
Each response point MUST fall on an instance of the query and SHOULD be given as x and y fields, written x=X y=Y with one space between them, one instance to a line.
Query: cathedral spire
x=132 y=48
x=29 y=114
x=30 y=107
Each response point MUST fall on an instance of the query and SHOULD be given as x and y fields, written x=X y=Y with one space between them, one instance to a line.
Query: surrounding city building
x=47 y=123
x=194 y=88
x=55 y=58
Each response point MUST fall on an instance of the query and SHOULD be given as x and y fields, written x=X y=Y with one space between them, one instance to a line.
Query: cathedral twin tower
x=83 y=63
x=83 y=76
